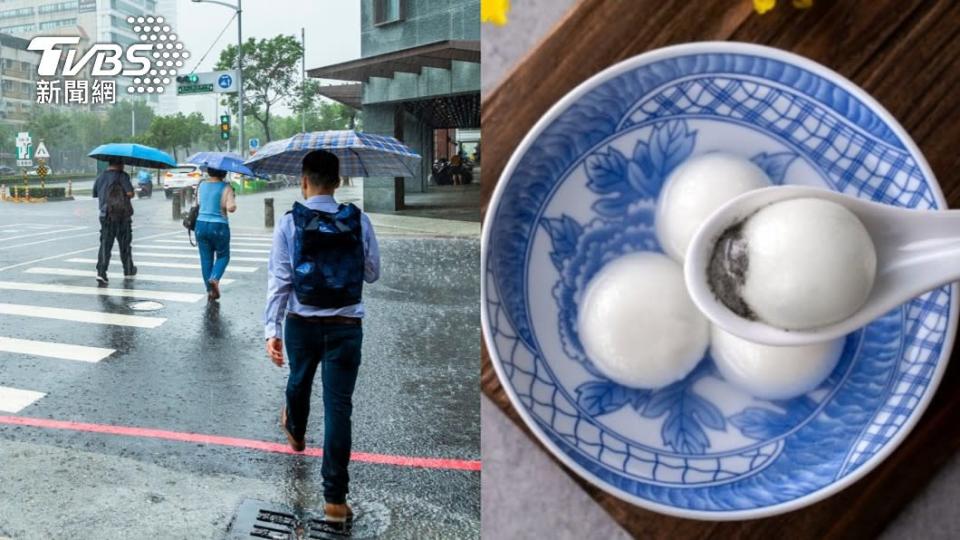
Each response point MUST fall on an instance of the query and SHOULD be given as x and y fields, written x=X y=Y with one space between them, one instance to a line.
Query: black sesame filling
x=727 y=272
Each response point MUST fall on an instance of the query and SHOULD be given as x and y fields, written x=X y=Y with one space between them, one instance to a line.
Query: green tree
x=125 y=118
x=173 y=132
x=270 y=76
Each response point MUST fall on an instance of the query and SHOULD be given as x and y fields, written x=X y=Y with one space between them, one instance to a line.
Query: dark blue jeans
x=335 y=349
x=213 y=239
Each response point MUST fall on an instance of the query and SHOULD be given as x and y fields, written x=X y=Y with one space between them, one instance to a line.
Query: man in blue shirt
x=319 y=334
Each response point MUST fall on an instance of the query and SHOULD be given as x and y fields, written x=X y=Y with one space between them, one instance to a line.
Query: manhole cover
x=261 y=519
x=146 y=306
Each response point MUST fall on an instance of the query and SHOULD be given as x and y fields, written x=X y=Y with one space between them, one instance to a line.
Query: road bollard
x=69 y=188
x=268 y=213
x=176 y=207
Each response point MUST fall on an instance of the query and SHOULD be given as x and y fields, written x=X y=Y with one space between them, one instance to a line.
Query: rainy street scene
x=239 y=276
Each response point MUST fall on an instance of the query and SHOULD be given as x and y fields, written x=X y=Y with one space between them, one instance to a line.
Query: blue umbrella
x=137 y=155
x=225 y=161
x=361 y=154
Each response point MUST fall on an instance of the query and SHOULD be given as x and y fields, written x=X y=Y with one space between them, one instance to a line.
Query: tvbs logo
x=104 y=59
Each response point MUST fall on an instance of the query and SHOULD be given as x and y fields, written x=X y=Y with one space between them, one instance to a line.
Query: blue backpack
x=328 y=256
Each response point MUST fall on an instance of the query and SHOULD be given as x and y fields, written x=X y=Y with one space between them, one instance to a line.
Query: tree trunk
x=266 y=120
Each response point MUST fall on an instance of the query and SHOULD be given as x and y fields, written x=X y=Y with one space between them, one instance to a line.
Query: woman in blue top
x=216 y=199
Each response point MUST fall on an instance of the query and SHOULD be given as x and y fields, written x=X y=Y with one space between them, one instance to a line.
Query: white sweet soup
x=773 y=372
x=694 y=190
x=796 y=264
x=637 y=323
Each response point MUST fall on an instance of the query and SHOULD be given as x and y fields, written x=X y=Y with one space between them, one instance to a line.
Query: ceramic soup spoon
x=916 y=251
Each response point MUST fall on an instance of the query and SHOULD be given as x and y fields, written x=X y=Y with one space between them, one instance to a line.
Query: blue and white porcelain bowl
x=581 y=190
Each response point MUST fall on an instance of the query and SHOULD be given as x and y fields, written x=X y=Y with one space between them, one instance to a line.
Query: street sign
x=194 y=89
x=24 y=147
x=254 y=143
x=220 y=82
x=41 y=151
x=25 y=163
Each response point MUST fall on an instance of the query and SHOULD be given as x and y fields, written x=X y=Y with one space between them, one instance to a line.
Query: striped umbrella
x=361 y=154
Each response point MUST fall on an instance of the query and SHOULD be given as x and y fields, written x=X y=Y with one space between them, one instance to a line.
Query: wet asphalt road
x=204 y=371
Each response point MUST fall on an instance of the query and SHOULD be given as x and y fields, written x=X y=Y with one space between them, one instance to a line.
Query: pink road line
x=251 y=444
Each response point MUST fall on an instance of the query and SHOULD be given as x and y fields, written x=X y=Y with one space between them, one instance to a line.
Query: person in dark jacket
x=114 y=191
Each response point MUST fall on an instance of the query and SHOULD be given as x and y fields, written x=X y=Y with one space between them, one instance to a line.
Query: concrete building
x=419 y=72
x=18 y=74
x=100 y=20
x=167 y=102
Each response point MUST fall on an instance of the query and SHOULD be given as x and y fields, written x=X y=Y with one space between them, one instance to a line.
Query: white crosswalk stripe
x=62 y=351
x=232 y=243
x=252 y=236
x=14 y=400
x=137 y=254
x=81 y=316
x=143 y=294
x=181 y=266
x=191 y=248
x=140 y=277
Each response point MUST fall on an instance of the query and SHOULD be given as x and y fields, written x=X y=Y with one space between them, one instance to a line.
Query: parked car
x=7 y=171
x=182 y=176
x=33 y=171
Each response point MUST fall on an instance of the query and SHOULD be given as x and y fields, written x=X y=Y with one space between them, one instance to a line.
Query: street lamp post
x=239 y=10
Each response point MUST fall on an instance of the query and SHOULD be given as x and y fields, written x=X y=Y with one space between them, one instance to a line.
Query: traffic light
x=225 y=126
x=188 y=79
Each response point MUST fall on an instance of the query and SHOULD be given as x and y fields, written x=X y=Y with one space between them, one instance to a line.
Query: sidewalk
x=439 y=213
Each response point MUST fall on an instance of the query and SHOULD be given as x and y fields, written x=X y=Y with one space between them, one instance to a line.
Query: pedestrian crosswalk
x=63 y=351
x=119 y=276
x=80 y=315
x=233 y=244
x=191 y=248
x=14 y=400
x=101 y=291
x=181 y=266
x=52 y=288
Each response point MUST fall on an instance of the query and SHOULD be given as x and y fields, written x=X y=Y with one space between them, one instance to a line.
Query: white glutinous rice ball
x=770 y=372
x=694 y=190
x=797 y=264
x=637 y=323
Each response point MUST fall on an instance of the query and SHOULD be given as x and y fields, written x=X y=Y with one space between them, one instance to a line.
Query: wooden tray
x=906 y=53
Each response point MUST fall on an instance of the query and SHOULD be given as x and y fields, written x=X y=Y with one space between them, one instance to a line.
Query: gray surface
x=517 y=475
x=515 y=470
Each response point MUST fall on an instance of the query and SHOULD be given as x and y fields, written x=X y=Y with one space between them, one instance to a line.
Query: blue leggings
x=213 y=239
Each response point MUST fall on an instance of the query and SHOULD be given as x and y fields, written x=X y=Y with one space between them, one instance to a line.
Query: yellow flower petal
x=763 y=6
x=494 y=11
x=802 y=4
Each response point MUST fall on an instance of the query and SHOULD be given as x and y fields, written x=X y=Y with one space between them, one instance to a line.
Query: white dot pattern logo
x=166 y=51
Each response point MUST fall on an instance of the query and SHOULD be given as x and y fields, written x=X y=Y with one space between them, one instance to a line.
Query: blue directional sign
x=225 y=81
x=254 y=143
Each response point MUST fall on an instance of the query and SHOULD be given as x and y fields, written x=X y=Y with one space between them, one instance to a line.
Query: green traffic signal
x=225 y=126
